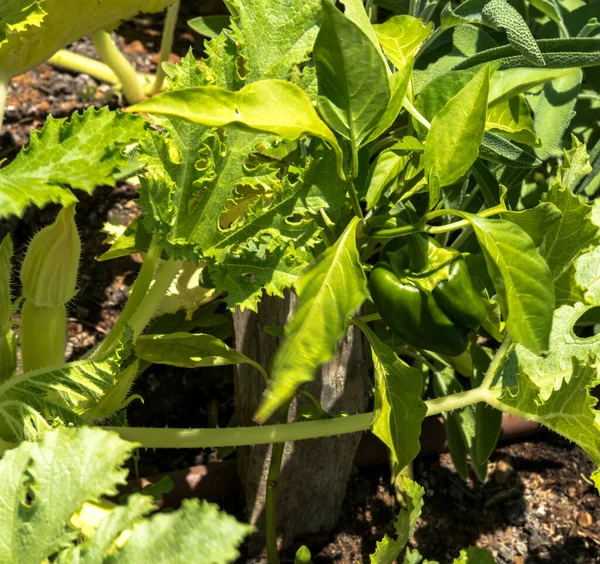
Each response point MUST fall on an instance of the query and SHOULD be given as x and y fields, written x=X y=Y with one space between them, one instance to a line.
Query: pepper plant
x=313 y=149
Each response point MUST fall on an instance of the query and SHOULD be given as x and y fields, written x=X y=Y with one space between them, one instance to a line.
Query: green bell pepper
x=424 y=293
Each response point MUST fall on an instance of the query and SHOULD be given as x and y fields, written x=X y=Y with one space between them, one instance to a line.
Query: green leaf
x=133 y=239
x=452 y=144
x=353 y=80
x=536 y=222
x=558 y=54
x=388 y=549
x=500 y=150
x=32 y=402
x=576 y=233
x=399 y=410
x=500 y=15
x=266 y=106
x=559 y=400
x=58 y=158
x=328 y=292
x=474 y=555
x=400 y=37
x=6 y=253
x=32 y=31
x=399 y=82
x=521 y=277
x=272 y=42
x=246 y=275
x=506 y=84
x=209 y=26
x=188 y=350
x=53 y=508
x=382 y=173
x=513 y=118
x=197 y=532
x=66 y=469
x=554 y=110
x=549 y=7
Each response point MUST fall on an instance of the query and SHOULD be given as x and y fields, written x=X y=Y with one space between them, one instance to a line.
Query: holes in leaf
x=588 y=324
x=298 y=218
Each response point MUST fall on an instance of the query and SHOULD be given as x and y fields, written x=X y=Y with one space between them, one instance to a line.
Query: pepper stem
x=418 y=255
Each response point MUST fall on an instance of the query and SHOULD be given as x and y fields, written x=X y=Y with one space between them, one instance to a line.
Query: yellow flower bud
x=49 y=271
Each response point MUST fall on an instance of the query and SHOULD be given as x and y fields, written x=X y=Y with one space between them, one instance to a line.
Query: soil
x=537 y=504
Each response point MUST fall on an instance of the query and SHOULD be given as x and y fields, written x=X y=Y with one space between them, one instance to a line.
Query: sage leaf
x=328 y=292
x=554 y=110
x=500 y=150
x=353 y=80
x=267 y=106
x=452 y=144
x=521 y=277
x=399 y=410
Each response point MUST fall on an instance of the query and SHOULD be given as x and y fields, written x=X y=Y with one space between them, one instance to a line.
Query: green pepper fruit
x=423 y=291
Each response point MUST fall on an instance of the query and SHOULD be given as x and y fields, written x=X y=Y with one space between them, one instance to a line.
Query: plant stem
x=415 y=113
x=456 y=401
x=429 y=41
x=110 y=54
x=243 y=436
x=354 y=199
x=271 y=498
x=141 y=317
x=79 y=63
x=166 y=46
x=4 y=80
x=367 y=318
x=138 y=293
x=497 y=362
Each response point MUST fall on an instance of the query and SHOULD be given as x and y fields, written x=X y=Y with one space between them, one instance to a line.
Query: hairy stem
x=138 y=293
x=110 y=54
x=166 y=46
x=243 y=436
x=141 y=317
x=79 y=63
x=497 y=362
x=456 y=401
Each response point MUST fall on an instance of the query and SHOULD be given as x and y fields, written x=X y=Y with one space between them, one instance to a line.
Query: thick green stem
x=43 y=335
x=166 y=46
x=243 y=436
x=456 y=401
x=497 y=362
x=138 y=293
x=79 y=63
x=110 y=54
x=143 y=315
x=271 y=497
x=4 y=80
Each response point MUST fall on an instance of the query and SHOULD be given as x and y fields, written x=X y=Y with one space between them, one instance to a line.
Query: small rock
x=584 y=519
x=503 y=472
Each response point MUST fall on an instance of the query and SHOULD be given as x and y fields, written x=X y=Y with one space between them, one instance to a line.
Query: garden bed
x=535 y=506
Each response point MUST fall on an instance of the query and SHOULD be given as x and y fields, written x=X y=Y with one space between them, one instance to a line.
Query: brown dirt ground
x=537 y=505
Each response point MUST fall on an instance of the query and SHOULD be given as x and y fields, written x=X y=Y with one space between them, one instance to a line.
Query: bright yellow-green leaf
x=513 y=118
x=32 y=31
x=328 y=292
x=266 y=106
x=401 y=37
x=452 y=144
